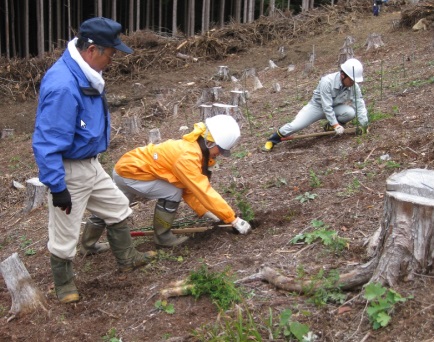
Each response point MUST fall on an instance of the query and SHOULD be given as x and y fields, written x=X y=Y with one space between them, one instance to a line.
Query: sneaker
x=267 y=147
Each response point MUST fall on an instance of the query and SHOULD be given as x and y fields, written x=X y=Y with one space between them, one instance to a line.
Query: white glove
x=339 y=129
x=211 y=216
x=242 y=226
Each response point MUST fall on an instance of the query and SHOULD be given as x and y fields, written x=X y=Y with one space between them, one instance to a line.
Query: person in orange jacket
x=178 y=169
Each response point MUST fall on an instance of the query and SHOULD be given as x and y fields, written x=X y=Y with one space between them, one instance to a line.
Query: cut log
x=26 y=297
x=187 y=57
x=36 y=194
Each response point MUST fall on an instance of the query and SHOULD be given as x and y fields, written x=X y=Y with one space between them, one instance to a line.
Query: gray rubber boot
x=63 y=275
x=121 y=244
x=92 y=231
x=164 y=214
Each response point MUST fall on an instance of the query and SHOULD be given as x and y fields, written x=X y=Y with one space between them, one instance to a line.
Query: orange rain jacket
x=178 y=162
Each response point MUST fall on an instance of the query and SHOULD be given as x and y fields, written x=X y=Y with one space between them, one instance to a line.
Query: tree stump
x=7 y=132
x=407 y=229
x=374 y=41
x=406 y=238
x=131 y=125
x=36 y=194
x=205 y=111
x=220 y=108
x=346 y=51
x=26 y=297
x=154 y=136
x=210 y=95
x=258 y=84
x=223 y=72
x=238 y=97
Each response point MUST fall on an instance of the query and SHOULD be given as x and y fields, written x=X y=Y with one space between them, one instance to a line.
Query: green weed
x=390 y=164
x=163 y=305
x=218 y=285
x=315 y=182
x=382 y=302
x=24 y=242
x=329 y=238
x=30 y=251
x=246 y=210
x=351 y=189
x=111 y=336
x=306 y=197
x=323 y=289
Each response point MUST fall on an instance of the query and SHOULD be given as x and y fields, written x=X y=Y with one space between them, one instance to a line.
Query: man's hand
x=211 y=216
x=242 y=226
x=338 y=129
x=62 y=200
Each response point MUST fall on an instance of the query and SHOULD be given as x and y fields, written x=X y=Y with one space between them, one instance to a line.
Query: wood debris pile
x=413 y=13
x=21 y=78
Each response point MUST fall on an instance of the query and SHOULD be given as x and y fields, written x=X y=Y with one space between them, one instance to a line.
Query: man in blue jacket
x=72 y=128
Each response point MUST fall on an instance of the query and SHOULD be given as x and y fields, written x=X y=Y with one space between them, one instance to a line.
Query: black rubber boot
x=164 y=214
x=121 y=244
x=63 y=275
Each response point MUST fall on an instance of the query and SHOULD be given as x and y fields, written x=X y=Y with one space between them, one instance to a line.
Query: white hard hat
x=225 y=132
x=353 y=69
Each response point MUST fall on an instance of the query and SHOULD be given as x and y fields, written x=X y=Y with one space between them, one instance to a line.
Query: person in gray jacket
x=329 y=101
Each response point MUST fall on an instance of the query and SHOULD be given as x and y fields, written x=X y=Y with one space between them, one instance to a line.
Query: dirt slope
x=347 y=174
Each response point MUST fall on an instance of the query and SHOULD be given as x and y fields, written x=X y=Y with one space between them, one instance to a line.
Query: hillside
x=347 y=174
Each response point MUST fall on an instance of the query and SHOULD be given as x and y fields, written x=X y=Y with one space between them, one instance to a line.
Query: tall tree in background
x=191 y=18
x=205 y=15
x=272 y=8
x=26 y=29
x=40 y=21
x=222 y=13
x=138 y=15
x=174 y=18
x=114 y=12
x=238 y=11
x=8 y=52
x=131 y=17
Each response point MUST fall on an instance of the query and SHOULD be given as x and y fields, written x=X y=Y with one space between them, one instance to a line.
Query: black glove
x=63 y=200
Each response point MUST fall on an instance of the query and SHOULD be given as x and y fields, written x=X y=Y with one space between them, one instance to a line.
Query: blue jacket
x=72 y=121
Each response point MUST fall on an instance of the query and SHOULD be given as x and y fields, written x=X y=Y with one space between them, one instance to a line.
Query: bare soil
x=350 y=183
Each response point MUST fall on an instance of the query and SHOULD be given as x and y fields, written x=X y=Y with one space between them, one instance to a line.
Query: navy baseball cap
x=104 y=32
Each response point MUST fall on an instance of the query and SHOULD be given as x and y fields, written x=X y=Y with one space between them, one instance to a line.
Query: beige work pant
x=90 y=188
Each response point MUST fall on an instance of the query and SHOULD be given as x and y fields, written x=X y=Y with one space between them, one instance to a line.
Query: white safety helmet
x=225 y=132
x=353 y=69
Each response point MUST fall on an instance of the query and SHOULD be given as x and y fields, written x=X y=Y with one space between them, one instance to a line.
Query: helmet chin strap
x=208 y=144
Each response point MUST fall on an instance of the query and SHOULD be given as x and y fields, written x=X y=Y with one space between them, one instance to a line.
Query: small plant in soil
x=329 y=238
x=306 y=197
x=218 y=285
x=111 y=336
x=246 y=210
x=163 y=305
x=381 y=303
x=315 y=182
x=322 y=288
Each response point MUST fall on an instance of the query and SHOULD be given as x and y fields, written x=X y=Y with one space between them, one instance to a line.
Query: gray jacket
x=330 y=92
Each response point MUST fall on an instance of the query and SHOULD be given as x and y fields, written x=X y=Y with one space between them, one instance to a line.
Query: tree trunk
x=131 y=17
x=26 y=297
x=114 y=10
x=174 y=18
x=8 y=52
x=222 y=14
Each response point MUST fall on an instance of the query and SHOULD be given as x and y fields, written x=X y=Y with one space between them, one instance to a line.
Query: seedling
x=306 y=197
x=382 y=302
x=219 y=286
x=329 y=238
x=323 y=288
x=111 y=336
x=315 y=182
x=30 y=251
x=243 y=205
x=163 y=305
